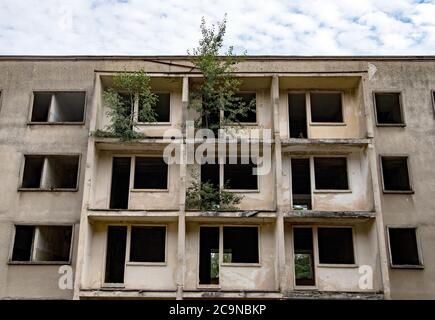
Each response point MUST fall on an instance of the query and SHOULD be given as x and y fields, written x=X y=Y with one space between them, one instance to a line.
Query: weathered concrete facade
x=364 y=206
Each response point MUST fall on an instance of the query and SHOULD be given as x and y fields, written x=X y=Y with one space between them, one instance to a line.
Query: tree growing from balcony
x=120 y=99
x=206 y=197
x=216 y=94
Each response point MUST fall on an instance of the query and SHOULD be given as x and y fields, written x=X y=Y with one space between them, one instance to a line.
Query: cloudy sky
x=167 y=27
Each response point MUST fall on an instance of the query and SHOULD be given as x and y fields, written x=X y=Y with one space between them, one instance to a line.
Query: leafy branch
x=205 y=196
x=217 y=93
x=128 y=88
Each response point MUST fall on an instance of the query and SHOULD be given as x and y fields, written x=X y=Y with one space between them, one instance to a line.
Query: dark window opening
x=120 y=189
x=58 y=107
x=61 y=172
x=50 y=172
x=241 y=244
x=297 y=115
x=22 y=250
x=162 y=107
x=304 y=256
x=210 y=174
x=53 y=243
x=395 y=174
x=388 y=108
x=32 y=171
x=331 y=173
x=326 y=107
x=42 y=243
x=147 y=244
x=248 y=101
x=115 y=254
x=336 y=245
x=41 y=106
x=403 y=246
x=150 y=173
x=240 y=176
x=301 y=184
x=209 y=255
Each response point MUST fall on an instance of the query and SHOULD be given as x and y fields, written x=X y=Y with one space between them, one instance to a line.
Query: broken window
x=162 y=107
x=210 y=174
x=326 y=107
x=433 y=100
x=331 y=173
x=209 y=255
x=336 y=245
x=61 y=172
x=147 y=244
x=240 y=176
x=395 y=174
x=297 y=115
x=50 y=172
x=150 y=173
x=32 y=171
x=120 y=188
x=42 y=243
x=248 y=99
x=388 y=108
x=301 y=184
x=240 y=244
x=304 y=256
x=22 y=250
x=403 y=247
x=115 y=254
x=54 y=107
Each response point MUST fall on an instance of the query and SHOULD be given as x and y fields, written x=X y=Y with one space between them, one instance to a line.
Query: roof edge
x=186 y=57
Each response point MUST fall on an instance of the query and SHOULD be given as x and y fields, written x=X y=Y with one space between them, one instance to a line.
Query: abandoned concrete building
x=346 y=211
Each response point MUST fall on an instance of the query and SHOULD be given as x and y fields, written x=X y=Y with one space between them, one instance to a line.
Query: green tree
x=217 y=92
x=120 y=99
x=205 y=196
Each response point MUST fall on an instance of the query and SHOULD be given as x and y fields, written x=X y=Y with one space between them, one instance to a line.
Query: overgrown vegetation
x=217 y=93
x=128 y=89
x=206 y=197
x=216 y=102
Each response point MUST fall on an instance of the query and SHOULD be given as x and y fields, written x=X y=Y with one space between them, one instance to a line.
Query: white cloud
x=297 y=27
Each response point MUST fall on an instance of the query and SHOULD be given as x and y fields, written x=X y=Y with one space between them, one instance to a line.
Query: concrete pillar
x=279 y=231
x=181 y=250
x=382 y=242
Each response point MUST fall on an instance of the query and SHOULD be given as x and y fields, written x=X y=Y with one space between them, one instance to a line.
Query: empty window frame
x=58 y=107
x=301 y=183
x=330 y=173
x=50 y=172
x=404 y=250
x=209 y=255
x=210 y=174
x=326 y=107
x=148 y=244
x=389 y=109
x=120 y=184
x=240 y=245
x=150 y=173
x=335 y=245
x=395 y=174
x=162 y=108
x=297 y=115
x=248 y=101
x=42 y=244
x=433 y=99
x=115 y=254
x=240 y=176
x=303 y=256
